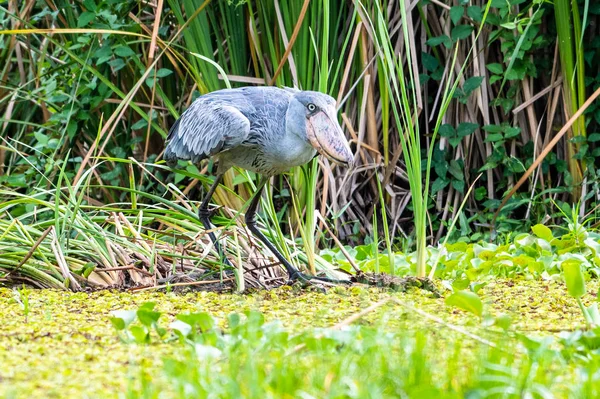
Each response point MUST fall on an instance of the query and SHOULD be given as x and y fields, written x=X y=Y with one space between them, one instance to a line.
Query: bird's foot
x=205 y=213
x=307 y=279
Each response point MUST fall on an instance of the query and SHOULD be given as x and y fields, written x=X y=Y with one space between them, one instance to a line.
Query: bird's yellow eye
x=311 y=107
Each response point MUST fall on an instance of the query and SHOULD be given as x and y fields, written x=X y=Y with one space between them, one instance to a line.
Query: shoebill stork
x=267 y=130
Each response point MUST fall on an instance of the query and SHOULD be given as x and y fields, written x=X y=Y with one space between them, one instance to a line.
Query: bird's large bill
x=326 y=136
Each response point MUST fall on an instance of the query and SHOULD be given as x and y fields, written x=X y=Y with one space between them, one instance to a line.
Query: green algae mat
x=345 y=343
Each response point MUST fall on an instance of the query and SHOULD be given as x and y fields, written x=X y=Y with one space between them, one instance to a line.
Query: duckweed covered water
x=64 y=345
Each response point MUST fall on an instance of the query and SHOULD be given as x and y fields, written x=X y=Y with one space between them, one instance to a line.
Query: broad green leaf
x=202 y=321
x=148 y=317
x=472 y=84
x=503 y=321
x=474 y=12
x=430 y=63
x=466 y=128
x=511 y=132
x=122 y=318
x=509 y=25
x=459 y=185
x=454 y=141
x=163 y=72
x=574 y=277
x=593 y=137
x=181 y=328
x=490 y=138
x=456 y=170
x=495 y=68
x=593 y=313
x=460 y=32
x=142 y=123
x=542 y=232
x=439 y=184
x=85 y=18
x=436 y=41
x=466 y=300
x=124 y=51
x=446 y=130
x=90 y=5
x=456 y=14
x=493 y=128
x=140 y=334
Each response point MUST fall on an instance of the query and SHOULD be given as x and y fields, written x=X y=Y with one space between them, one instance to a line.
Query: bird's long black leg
x=204 y=216
x=251 y=223
x=293 y=273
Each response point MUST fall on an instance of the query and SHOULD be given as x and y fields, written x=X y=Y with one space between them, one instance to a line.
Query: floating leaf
x=574 y=277
x=466 y=300
x=122 y=318
x=542 y=232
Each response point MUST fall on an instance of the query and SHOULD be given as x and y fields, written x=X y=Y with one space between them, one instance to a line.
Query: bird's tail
x=175 y=148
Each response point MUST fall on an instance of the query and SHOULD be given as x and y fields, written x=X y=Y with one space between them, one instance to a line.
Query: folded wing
x=206 y=129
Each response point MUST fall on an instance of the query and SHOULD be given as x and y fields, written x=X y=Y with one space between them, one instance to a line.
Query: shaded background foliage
x=70 y=100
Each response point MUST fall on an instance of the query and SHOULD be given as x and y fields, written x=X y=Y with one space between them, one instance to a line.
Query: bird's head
x=313 y=116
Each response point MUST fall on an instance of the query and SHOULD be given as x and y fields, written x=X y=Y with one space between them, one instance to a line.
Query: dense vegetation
x=476 y=132
x=91 y=105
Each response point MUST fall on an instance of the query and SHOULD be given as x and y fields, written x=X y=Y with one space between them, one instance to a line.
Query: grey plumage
x=263 y=129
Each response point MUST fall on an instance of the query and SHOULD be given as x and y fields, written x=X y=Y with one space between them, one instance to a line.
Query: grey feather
x=205 y=129
x=262 y=129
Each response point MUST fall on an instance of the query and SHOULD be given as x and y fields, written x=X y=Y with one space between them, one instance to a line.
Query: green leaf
x=495 y=68
x=142 y=123
x=466 y=128
x=436 y=41
x=456 y=170
x=122 y=318
x=446 y=130
x=472 y=84
x=574 y=277
x=460 y=32
x=439 y=184
x=466 y=300
x=493 y=137
x=542 y=232
x=181 y=328
x=510 y=132
x=509 y=25
x=474 y=12
x=454 y=141
x=493 y=128
x=41 y=138
x=202 y=321
x=148 y=317
x=124 y=51
x=163 y=72
x=429 y=62
x=593 y=137
x=85 y=18
x=459 y=186
x=503 y=321
x=140 y=334
x=456 y=14
x=90 y=5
